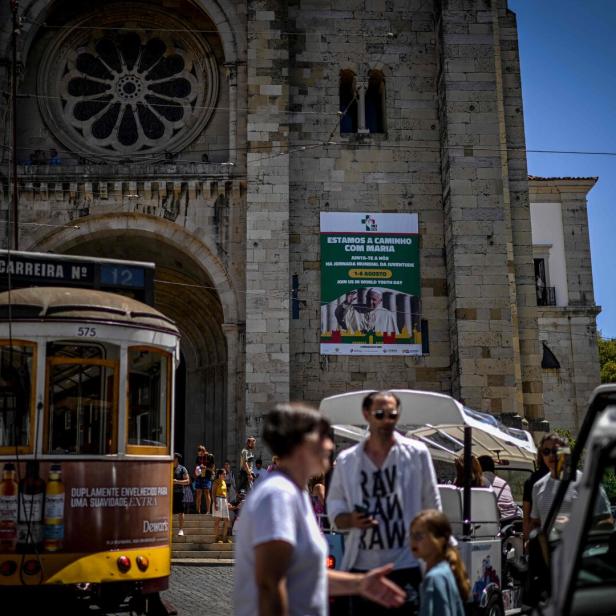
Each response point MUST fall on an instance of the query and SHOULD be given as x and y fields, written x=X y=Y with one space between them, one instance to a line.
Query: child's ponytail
x=459 y=572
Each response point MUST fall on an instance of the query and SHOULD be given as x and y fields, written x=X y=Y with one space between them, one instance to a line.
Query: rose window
x=129 y=93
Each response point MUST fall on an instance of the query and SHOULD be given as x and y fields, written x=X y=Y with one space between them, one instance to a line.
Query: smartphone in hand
x=363 y=510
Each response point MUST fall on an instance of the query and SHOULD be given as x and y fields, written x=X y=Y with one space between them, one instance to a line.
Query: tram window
x=74 y=349
x=148 y=398
x=81 y=406
x=16 y=396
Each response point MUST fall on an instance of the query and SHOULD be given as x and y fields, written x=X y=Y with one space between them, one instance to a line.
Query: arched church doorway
x=185 y=292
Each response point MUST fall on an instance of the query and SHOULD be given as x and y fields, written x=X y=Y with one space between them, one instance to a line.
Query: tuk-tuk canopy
x=438 y=420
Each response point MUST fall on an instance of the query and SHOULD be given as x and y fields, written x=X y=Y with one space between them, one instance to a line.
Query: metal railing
x=546 y=296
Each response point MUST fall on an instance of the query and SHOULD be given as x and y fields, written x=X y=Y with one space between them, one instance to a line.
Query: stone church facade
x=208 y=135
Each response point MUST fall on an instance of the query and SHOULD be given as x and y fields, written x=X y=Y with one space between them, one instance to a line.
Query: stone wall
x=396 y=171
x=267 y=212
x=240 y=203
x=493 y=330
x=453 y=105
x=570 y=331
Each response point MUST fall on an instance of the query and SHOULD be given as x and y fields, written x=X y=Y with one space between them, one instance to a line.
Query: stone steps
x=206 y=547
x=196 y=526
x=201 y=555
x=195 y=520
x=198 y=532
x=204 y=562
x=196 y=546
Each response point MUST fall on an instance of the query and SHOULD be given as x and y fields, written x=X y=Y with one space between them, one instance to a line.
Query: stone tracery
x=128 y=91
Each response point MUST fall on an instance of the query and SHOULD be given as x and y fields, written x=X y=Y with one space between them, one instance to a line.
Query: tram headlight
x=124 y=564
x=32 y=567
x=143 y=563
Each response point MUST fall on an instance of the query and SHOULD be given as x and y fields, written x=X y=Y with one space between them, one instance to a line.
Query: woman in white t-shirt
x=280 y=554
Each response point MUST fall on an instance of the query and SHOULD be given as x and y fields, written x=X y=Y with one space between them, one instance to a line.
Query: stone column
x=234 y=425
x=493 y=323
x=232 y=77
x=408 y=320
x=361 y=108
x=573 y=194
x=332 y=323
x=581 y=311
x=389 y=301
x=267 y=215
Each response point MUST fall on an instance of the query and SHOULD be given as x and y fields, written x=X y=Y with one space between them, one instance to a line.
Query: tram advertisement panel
x=370 y=284
x=84 y=506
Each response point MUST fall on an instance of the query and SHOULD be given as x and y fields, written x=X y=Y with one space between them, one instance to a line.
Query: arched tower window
x=348 y=102
x=375 y=102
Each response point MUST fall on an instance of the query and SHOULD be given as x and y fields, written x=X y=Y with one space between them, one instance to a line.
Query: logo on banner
x=370 y=223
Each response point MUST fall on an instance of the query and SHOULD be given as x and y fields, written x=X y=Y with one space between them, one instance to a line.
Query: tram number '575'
x=86 y=332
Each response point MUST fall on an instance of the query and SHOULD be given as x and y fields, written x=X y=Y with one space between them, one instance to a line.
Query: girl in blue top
x=445 y=584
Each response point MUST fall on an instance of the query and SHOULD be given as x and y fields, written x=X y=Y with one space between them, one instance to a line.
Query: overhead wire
x=24 y=509
x=389 y=35
x=185 y=105
x=250 y=148
x=343 y=141
x=316 y=301
x=298 y=33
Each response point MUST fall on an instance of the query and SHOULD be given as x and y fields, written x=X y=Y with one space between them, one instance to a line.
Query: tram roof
x=75 y=304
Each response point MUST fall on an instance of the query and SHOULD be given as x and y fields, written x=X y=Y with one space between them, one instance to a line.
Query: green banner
x=370 y=284
x=352 y=261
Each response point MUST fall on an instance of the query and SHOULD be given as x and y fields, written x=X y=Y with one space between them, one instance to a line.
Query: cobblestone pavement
x=193 y=591
x=197 y=591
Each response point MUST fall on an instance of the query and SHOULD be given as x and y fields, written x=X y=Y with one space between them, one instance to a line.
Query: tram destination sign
x=45 y=271
x=20 y=269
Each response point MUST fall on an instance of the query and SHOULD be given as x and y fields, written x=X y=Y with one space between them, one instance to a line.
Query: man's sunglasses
x=380 y=414
x=546 y=451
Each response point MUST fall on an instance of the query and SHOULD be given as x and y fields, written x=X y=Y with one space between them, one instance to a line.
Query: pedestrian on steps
x=209 y=473
x=221 y=507
x=247 y=458
x=199 y=473
x=180 y=481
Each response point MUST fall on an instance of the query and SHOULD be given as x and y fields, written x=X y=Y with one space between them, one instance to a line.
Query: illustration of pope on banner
x=370 y=318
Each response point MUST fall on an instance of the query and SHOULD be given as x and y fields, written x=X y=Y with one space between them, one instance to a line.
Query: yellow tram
x=86 y=430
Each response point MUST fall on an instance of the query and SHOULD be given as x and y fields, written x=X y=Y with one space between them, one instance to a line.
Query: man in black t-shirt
x=527 y=498
x=180 y=481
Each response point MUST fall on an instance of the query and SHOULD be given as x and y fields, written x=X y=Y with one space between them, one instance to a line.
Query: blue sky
x=567 y=52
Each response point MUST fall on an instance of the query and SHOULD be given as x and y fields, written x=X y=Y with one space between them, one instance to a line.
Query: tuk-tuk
x=493 y=555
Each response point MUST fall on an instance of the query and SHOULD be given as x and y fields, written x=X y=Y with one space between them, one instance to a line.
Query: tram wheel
x=111 y=596
x=151 y=605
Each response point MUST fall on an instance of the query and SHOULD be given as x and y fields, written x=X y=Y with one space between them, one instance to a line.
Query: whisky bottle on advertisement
x=8 y=509
x=53 y=533
x=30 y=518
